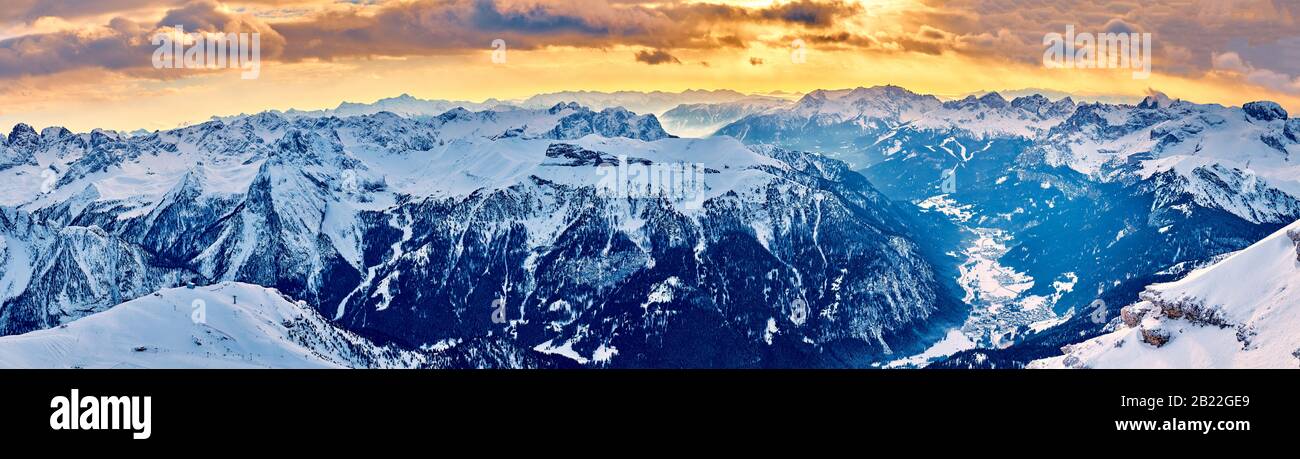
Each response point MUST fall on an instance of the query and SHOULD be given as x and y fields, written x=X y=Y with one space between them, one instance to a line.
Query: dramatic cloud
x=123 y=45
x=118 y=46
x=1256 y=41
x=429 y=27
x=31 y=10
x=1186 y=35
x=414 y=28
x=1232 y=63
x=809 y=13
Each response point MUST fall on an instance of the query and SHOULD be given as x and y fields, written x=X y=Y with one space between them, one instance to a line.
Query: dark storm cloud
x=809 y=13
x=656 y=57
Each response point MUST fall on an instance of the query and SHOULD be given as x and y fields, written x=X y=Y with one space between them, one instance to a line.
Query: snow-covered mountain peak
x=454 y=114
x=1157 y=100
x=561 y=106
x=877 y=102
x=993 y=100
x=1042 y=106
x=19 y=147
x=23 y=134
x=990 y=101
x=270 y=121
x=855 y=95
x=54 y=134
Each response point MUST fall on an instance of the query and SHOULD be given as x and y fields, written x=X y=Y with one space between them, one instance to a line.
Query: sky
x=87 y=64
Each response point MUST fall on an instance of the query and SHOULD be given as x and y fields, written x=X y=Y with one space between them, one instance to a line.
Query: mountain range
x=493 y=230
x=867 y=227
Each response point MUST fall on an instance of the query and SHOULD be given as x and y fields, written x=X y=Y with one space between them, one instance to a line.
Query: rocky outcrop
x=1264 y=111
x=1155 y=336
x=1294 y=235
x=1149 y=316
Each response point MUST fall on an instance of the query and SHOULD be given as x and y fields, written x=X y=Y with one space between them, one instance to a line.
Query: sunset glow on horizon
x=85 y=64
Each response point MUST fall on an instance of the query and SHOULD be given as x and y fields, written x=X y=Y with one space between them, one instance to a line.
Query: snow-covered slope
x=1242 y=312
x=226 y=325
